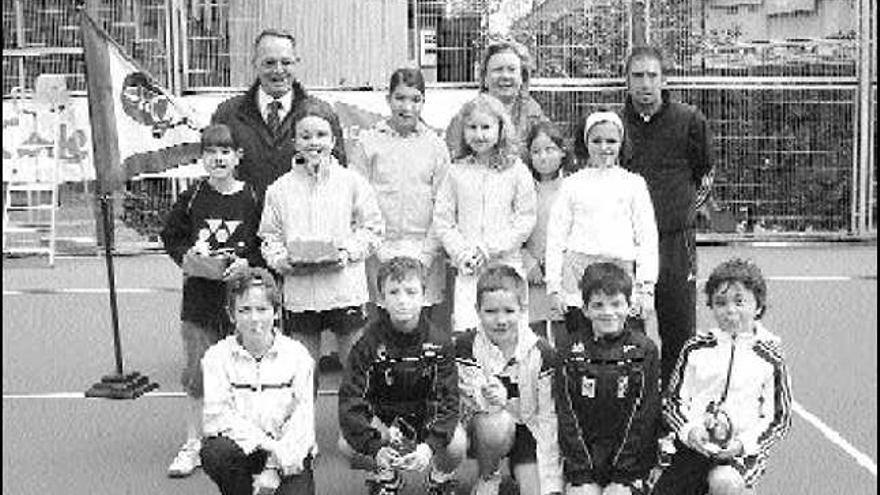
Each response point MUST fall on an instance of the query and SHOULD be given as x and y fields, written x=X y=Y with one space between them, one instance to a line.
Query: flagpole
x=118 y=385
x=111 y=279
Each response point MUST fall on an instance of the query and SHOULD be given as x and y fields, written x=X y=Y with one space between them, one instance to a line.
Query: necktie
x=274 y=117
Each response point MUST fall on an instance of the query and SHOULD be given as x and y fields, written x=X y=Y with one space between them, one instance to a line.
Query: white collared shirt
x=263 y=100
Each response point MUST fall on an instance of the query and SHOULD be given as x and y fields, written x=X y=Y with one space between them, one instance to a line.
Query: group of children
x=574 y=407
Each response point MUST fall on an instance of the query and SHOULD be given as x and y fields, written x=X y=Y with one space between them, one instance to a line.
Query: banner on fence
x=30 y=133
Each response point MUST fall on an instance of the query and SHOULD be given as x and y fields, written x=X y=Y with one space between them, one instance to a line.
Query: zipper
x=635 y=407
x=577 y=422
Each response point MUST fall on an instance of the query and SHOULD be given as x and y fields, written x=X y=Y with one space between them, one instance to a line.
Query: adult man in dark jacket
x=262 y=118
x=669 y=144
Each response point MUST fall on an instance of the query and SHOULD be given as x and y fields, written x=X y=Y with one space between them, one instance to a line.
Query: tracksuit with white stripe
x=758 y=400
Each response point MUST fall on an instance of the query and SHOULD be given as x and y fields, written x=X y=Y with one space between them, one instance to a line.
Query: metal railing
x=794 y=114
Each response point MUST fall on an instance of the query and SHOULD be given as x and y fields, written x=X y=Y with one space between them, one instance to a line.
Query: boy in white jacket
x=729 y=398
x=505 y=383
x=259 y=416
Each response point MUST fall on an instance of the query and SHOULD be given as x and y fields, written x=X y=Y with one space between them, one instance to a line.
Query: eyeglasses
x=271 y=63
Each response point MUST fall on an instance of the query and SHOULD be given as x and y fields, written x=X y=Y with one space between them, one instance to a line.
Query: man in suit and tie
x=261 y=119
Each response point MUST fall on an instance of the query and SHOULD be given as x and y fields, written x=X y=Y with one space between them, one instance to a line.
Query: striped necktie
x=274 y=117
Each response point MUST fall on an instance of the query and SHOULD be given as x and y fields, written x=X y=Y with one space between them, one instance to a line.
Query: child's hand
x=417 y=460
x=343 y=258
x=698 y=439
x=495 y=393
x=267 y=482
x=643 y=300
x=733 y=449
x=473 y=260
x=557 y=305
x=235 y=269
x=387 y=457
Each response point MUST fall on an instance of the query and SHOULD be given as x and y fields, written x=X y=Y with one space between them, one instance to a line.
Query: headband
x=599 y=117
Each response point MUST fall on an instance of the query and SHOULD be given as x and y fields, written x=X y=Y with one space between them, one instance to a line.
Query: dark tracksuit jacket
x=393 y=375
x=673 y=152
x=608 y=403
x=266 y=157
x=227 y=220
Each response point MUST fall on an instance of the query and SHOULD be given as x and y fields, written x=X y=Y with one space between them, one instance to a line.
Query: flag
x=137 y=125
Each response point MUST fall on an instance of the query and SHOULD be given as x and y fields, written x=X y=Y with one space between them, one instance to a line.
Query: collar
x=263 y=100
x=239 y=349
x=322 y=174
x=759 y=333
x=634 y=114
x=495 y=361
x=384 y=127
x=611 y=338
x=498 y=163
x=390 y=333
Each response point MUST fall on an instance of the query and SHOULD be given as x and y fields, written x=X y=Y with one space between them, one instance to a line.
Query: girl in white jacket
x=485 y=209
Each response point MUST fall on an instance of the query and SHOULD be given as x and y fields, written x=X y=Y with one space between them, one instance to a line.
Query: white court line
x=862 y=459
x=82 y=395
x=833 y=436
x=89 y=290
x=150 y=290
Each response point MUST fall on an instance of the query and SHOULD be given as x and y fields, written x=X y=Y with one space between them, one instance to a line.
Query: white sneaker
x=488 y=486
x=187 y=460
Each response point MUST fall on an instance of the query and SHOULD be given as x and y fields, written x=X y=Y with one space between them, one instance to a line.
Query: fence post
x=638 y=23
x=861 y=157
x=176 y=40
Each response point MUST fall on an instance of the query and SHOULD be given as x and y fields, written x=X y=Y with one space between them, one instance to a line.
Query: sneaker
x=490 y=485
x=439 y=483
x=384 y=482
x=187 y=460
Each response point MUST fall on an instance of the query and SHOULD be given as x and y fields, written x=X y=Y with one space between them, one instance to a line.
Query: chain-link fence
x=784 y=84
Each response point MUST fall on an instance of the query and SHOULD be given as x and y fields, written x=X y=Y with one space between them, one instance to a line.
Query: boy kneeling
x=608 y=393
x=398 y=402
x=729 y=399
x=259 y=415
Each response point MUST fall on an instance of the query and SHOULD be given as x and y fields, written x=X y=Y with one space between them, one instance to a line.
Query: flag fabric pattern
x=137 y=126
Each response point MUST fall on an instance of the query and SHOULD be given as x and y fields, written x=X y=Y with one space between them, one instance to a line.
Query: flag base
x=128 y=386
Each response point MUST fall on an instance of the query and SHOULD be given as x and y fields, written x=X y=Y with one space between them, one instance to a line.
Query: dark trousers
x=687 y=474
x=675 y=296
x=228 y=466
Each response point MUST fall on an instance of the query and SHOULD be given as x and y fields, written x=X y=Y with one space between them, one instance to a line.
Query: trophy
x=309 y=255
x=205 y=262
x=402 y=436
x=717 y=423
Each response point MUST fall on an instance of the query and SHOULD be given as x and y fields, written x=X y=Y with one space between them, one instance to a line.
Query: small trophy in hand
x=717 y=423
x=402 y=436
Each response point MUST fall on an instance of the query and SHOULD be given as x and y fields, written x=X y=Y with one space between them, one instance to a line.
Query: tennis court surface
x=57 y=341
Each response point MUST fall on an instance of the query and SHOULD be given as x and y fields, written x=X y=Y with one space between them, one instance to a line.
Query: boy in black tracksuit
x=398 y=402
x=607 y=392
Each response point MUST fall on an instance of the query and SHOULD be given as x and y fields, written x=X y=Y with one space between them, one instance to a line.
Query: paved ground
x=57 y=340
